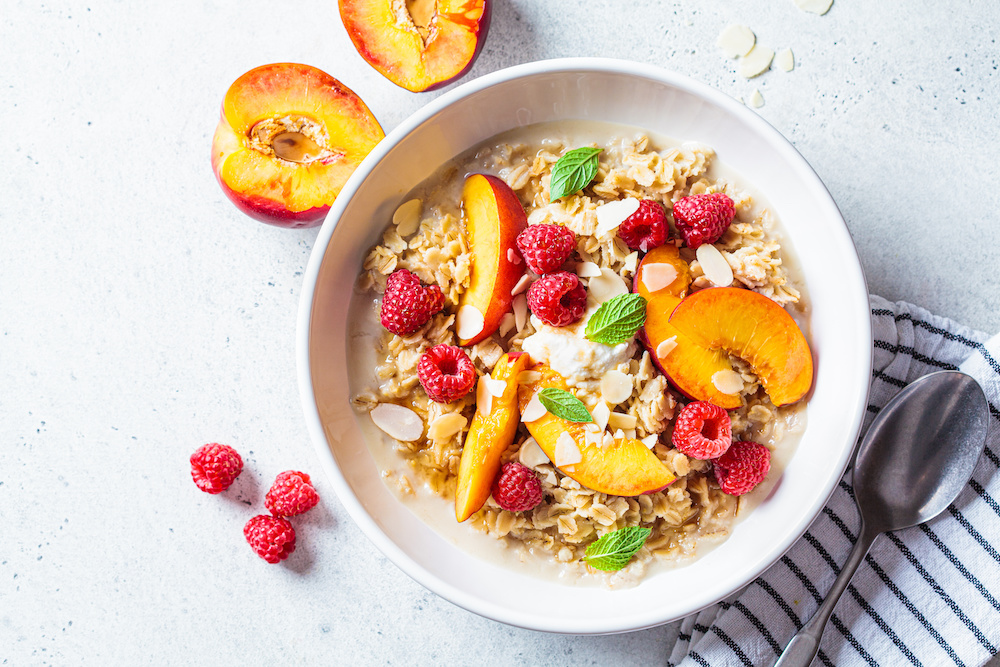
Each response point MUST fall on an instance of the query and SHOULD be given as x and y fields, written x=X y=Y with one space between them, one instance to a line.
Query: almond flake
x=614 y=213
x=446 y=426
x=650 y=440
x=587 y=270
x=520 y=306
x=591 y=427
x=622 y=421
x=531 y=454
x=601 y=413
x=727 y=381
x=631 y=261
x=715 y=266
x=666 y=347
x=616 y=387
x=736 y=40
x=513 y=257
x=630 y=433
x=608 y=439
x=533 y=410
x=397 y=421
x=521 y=284
x=407 y=217
x=606 y=286
x=593 y=437
x=756 y=99
x=619 y=434
x=814 y=6
x=495 y=387
x=657 y=276
x=567 y=452
x=469 y=322
x=484 y=399
x=756 y=62
x=506 y=324
x=528 y=377
x=784 y=60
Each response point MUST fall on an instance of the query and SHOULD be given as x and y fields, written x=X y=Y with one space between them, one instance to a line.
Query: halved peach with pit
x=418 y=44
x=289 y=137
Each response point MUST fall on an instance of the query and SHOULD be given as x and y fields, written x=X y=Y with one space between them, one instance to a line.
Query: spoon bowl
x=917 y=456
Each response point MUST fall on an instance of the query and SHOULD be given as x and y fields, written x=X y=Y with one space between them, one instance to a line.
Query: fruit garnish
x=558 y=299
x=214 y=467
x=291 y=494
x=271 y=537
x=703 y=430
x=517 y=488
x=613 y=551
x=617 y=319
x=446 y=373
x=545 y=247
x=703 y=218
x=408 y=305
x=646 y=228
x=573 y=171
x=564 y=405
x=742 y=467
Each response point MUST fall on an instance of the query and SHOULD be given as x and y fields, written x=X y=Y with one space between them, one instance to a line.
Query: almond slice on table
x=814 y=6
x=784 y=60
x=736 y=40
x=756 y=99
x=756 y=62
x=397 y=421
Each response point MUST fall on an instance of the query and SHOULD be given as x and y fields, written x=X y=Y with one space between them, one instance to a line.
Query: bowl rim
x=305 y=312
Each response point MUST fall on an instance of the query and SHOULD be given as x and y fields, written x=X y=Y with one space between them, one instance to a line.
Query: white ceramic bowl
x=665 y=103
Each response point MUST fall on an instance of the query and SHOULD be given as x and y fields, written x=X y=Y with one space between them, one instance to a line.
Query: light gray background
x=141 y=315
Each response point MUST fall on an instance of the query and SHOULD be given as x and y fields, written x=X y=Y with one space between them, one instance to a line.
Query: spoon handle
x=805 y=644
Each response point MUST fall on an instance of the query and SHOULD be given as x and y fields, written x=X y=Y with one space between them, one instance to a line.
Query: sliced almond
x=407 y=217
x=495 y=387
x=606 y=286
x=593 y=437
x=484 y=399
x=531 y=454
x=650 y=440
x=601 y=413
x=715 y=266
x=657 y=276
x=666 y=347
x=614 y=213
x=512 y=256
x=727 y=381
x=630 y=433
x=814 y=6
x=756 y=99
x=631 y=261
x=528 y=377
x=469 y=322
x=616 y=387
x=622 y=421
x=520 y=306
x=592 y=427
x=522 y=284
x=446 y=426
x=619 y=434
x=533 y=410
x=784 y=60
x=756 y=62
x=507 y=323
x=567 y=452
x=398 y=422
x=736 y=40
x=608 y=439
x=587 y=270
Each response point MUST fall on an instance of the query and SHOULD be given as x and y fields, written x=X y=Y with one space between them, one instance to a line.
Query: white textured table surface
x=142 y=315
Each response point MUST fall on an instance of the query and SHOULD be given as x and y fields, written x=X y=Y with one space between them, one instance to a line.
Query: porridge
x=596 y=327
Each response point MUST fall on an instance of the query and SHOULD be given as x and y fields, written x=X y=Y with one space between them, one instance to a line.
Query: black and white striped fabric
x=928 y=595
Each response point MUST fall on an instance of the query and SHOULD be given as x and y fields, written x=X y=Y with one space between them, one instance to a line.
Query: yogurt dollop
x=568 y=352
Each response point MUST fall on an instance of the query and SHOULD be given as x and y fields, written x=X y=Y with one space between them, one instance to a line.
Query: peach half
x=418 y=44
x=289 y=137
x=625 y=468
x=493 y=218
x=490 y=434
x=756 y=329
x=663 y=278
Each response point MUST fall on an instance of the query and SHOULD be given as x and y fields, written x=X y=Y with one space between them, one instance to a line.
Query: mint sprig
x=573 y=171
x=617 y=320
x=613 y=551
x=564 y=405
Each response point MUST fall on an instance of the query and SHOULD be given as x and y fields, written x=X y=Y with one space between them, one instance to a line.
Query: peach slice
x=625 y=468
x=289 y=137
x=756 y=329
x=663 y=278
x=418 y=44
x=488 y=437
x=493 y=219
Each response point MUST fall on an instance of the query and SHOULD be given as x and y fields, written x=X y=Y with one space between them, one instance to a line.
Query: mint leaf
x=564 y=405
x=613 y=551
x=617 y=320
x=573 y=171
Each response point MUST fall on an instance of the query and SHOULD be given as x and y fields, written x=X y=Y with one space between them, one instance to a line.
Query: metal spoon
x=915 y=459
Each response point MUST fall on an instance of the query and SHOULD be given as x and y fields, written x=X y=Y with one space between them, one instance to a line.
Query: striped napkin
x=927 y=595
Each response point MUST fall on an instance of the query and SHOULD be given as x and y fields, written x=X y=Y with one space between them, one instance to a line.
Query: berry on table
x=215 y=467
x=558 y=299
x=646 y=228
x=546 y=247
x=703 y=430
x=291 y=494
x=271 y=537
x=742 y=467
x=516 y=488
x=703 y=218
x=446 y=373
x=407 y=305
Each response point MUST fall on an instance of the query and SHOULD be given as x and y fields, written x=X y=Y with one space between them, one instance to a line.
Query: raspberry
x=646 y=228
x=742 y=467
x=215 y=467
x=703 y=430
x=292 y=493
x=446 y=373
x=558 y=298
x=407 y=305
x=271 y=537
x=517 y=488
x=546 y=247
x=703 y=218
